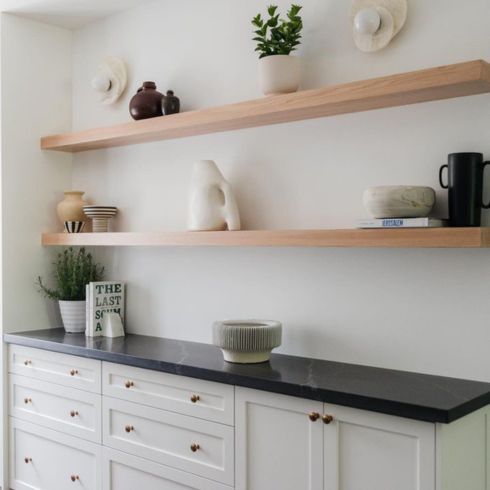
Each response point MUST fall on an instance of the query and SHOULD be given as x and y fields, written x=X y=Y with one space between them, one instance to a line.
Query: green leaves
x=72 y=271
x=275 y=35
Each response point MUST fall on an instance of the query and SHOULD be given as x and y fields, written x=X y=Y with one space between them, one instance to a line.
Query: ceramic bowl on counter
x=100 y=216
x=247 y=341
x=399 y=201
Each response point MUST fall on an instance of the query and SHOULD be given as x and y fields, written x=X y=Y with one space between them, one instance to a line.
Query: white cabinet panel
x=187 y=443
x=71 y=371
x=189 y=396
x=277 y=445
x=370 y=451
x=126 y=472
x=43 y=459
x=71 y=411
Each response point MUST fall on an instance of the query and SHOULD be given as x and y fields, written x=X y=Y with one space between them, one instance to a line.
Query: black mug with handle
x=465 y=188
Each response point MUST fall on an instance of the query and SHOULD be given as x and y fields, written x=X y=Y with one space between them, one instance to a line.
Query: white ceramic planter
x=73 y=315
x=279 y=74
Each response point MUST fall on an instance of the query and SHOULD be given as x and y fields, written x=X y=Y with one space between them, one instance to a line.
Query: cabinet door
x=277 y=445
x=370 y=451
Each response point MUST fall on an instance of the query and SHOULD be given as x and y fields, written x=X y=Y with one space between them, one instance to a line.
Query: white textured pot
x=73 y=315
x=279 y=74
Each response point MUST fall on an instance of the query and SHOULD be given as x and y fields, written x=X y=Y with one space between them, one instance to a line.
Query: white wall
x=35 y=100
x=422 y=310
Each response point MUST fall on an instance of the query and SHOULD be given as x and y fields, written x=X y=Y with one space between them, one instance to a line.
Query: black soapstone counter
x=406 y=394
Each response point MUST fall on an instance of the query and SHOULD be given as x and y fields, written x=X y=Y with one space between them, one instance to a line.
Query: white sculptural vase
x=212 y=205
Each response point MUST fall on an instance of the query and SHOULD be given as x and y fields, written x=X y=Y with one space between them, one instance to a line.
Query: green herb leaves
x=275 y=35
x=72 y=271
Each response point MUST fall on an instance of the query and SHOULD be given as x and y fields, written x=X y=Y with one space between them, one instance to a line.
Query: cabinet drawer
x=125 y=472
x=189 y=396
x=68 y=410
x=43 y=459
x=186 y=443
x=72 y=371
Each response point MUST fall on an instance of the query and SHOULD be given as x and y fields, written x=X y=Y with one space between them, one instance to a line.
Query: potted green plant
x=72 y=271
x=276 y=38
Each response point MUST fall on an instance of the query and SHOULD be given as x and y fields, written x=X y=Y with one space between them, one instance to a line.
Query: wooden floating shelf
x=400 y=238
x=445 y=82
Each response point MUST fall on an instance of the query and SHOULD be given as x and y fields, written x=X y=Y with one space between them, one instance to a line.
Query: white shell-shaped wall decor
x=111 y=80
x=212 y=205
x=376 y=22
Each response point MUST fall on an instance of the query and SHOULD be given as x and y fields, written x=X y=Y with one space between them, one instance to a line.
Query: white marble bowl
x=247 y=341
x=399 y=201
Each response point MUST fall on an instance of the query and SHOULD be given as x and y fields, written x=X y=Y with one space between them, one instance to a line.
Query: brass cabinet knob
x=73 y=372
x=74 y=478
x=327 y=419
x=27 y=362
x=129 y=384
x=27 y=460
x=195 y=447
x=313 y=416
x=195 y=398
x=27 y=400
x=129 y=428
x=74 y=413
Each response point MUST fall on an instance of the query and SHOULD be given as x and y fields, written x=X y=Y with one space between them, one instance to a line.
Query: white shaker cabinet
x=370 y=451
x=279 y=443
x=291 y=443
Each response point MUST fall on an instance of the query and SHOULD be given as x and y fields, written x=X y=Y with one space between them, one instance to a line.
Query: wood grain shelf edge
x=343 y=238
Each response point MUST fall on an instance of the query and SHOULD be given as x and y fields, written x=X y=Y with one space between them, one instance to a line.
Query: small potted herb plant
x=72 y=271
x=276 y=38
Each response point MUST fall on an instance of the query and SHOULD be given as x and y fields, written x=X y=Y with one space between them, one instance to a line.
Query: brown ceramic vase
x=170 y=103
x=147 y=102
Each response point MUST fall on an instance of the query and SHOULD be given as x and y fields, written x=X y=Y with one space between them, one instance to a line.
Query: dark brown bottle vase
x=147 y=102
x=170 y=103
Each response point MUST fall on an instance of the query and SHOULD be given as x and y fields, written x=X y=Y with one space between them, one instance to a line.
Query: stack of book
x=402 y=223
x=102 y=298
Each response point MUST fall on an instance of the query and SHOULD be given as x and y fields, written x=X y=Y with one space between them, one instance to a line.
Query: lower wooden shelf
x=405 y=238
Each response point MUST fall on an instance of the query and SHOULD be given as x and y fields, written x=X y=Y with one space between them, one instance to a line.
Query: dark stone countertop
x=406 y=394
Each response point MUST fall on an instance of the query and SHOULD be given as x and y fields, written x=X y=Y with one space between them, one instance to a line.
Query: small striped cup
x=74 y=226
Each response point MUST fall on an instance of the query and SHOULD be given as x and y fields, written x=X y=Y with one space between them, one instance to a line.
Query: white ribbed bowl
x=247 y=341
x=73 y=315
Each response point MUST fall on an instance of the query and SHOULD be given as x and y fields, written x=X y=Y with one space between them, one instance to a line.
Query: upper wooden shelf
x=401 y=238
x=444 y=82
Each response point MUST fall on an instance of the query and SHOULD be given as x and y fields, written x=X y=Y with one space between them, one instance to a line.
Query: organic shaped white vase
x=212 y=205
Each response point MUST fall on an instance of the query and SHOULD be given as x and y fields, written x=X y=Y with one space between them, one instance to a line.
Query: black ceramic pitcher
x=465 y=188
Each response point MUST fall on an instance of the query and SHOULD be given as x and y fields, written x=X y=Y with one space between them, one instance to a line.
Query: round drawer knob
x=129 y=428
x=195 y=447
x=27 y=362
x=129 y=384
x=74 y=478
x=73 y=413
x=195 y=398
x=327 y=419
x=73 y=372
x=27 y=400
x=27 y=460
x=313 y=416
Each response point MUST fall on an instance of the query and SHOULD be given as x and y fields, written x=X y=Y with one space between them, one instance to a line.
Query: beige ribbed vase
x=247 y=341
